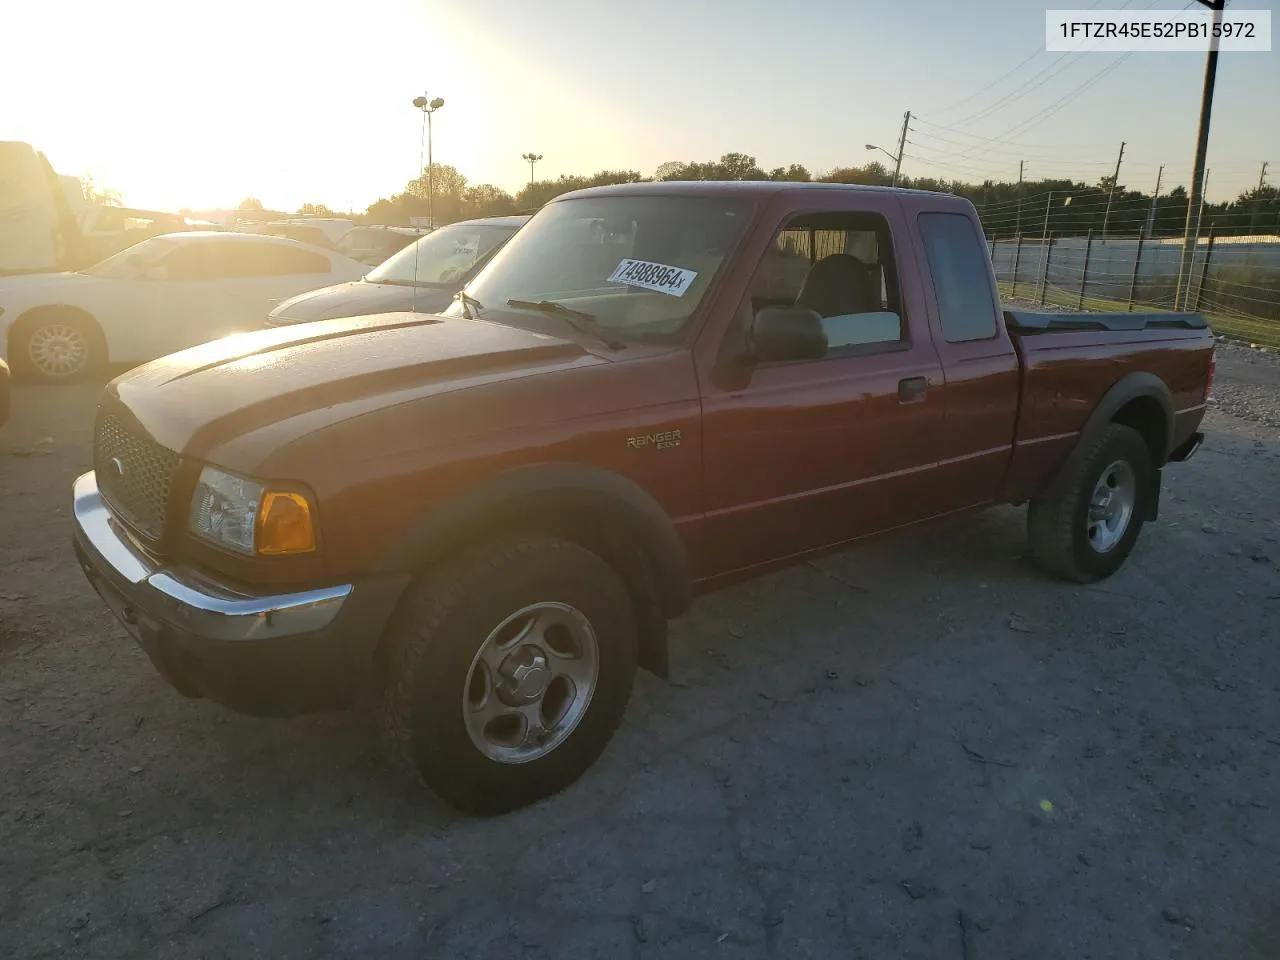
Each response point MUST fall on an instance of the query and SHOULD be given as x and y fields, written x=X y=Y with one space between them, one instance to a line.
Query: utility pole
x=902 y=145
x=1202 y=148
x=1257 y=200
x=1018 y=228
x=1155 y=198
x=1106 y=217
x=1199 y=217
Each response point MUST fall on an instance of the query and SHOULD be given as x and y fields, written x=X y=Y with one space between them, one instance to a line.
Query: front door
x=804 y=455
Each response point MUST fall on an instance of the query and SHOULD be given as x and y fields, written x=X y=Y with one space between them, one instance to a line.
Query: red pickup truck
x=652 y=391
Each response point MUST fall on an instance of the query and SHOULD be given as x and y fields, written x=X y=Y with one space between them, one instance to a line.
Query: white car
x=164 y=294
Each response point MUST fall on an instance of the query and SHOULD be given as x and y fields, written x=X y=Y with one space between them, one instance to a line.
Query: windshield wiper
x=580 y=320
x=471 y=307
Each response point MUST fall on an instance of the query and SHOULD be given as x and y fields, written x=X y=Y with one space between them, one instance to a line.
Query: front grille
x=134 y=475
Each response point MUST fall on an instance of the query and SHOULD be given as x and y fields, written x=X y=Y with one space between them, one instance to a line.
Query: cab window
x=841 y=266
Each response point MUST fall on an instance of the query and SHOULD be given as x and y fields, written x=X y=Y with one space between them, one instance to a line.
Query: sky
x=198 y=104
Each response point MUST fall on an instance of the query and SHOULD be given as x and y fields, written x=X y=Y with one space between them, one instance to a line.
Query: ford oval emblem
x=118 y=466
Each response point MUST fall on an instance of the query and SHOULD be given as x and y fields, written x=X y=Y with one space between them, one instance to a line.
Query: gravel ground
x=916 y=748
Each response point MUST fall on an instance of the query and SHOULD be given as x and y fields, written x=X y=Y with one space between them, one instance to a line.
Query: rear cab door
x=803 y=455
x=980 y=364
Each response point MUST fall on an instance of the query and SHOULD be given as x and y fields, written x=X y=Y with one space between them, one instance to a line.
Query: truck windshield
x=443 y=256
x=639 y=265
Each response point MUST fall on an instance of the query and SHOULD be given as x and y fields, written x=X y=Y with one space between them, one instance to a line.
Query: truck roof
x=759 y=188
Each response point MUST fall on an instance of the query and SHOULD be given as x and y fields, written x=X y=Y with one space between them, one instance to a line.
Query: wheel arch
x=1140 y=401
x=596 y=508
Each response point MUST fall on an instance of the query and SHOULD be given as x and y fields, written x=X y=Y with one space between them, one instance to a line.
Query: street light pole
x=1190 y=238
x=532 y=158
x=428 y=107
x=897 y=160
x=902 y=146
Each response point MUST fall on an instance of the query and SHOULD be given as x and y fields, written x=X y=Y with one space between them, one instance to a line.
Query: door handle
x=913 y=389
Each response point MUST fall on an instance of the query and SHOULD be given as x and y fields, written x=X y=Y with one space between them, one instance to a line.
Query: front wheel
x=58 y=347
x=1086 y=533
x=509 y=669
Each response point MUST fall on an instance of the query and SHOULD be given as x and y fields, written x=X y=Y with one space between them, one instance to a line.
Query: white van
x=38 y=231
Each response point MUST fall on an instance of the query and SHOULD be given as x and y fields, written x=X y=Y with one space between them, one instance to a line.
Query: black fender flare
x=536 y=486
x=1132 y=386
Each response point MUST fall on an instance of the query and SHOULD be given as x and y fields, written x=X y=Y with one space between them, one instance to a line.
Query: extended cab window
x=841 y=266
x=958 y=263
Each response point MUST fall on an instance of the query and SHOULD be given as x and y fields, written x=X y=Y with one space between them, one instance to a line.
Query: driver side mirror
x=785 y=334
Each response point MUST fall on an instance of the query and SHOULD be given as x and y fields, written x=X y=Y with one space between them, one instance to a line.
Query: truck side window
x=958 y=263
x=841 y=266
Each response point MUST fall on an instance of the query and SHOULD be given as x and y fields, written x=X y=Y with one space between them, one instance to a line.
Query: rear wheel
x=57 y=347
x=1088 y=531
x=509 y=669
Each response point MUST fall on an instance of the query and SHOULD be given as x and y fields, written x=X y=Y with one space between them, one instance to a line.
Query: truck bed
x=1068 y=361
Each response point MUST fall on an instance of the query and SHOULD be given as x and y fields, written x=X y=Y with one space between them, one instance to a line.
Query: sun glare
x=202 y=106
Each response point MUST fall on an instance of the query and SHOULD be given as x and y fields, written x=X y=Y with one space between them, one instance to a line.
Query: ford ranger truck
x=487 y=517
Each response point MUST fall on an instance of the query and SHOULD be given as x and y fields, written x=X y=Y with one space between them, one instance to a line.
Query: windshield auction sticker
x=654 y=276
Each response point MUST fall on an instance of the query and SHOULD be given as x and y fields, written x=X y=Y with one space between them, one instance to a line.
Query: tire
x=54 y=346
x=440 y=647
x=1069 y=537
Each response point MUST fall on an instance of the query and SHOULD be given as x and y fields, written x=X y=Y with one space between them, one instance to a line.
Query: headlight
x=249 y=518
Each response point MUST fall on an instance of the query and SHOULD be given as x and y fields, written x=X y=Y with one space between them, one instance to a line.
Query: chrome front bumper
x=134 y=588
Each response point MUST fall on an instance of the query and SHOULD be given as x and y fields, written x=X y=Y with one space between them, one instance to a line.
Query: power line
x=1063 y=62
x=998 y=80
x=1008 y=73
x=947 y=165
x=1038 y=118
x=1037 y=161
x=1019 y=92
x=975 y=136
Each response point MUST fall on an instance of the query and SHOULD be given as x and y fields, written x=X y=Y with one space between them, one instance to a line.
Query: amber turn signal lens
x=284 y=525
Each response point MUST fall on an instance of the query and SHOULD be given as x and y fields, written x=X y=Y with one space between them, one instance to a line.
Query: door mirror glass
x=786 y=334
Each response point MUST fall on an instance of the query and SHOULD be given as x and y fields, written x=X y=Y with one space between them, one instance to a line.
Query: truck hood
x=358 y=298
x=323 y=372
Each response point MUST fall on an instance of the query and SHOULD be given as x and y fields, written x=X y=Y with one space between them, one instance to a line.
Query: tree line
x=1032 y=208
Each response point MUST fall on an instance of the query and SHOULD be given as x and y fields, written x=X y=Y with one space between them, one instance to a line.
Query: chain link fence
x=1235 y=280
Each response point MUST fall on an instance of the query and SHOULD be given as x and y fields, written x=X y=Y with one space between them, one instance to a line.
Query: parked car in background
x=374 y=244
x=106 y=230
x=422 y=277
x=158 y=296
x=324 y=232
